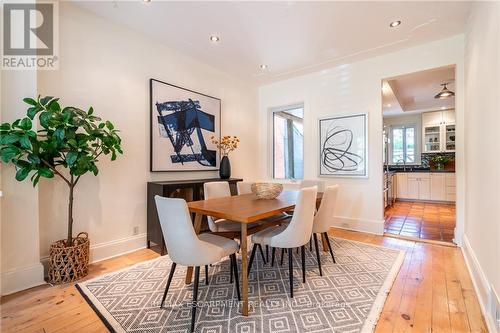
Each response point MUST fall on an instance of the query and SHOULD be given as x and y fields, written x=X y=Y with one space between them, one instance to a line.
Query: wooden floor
x=432 y=221
x=432 y=293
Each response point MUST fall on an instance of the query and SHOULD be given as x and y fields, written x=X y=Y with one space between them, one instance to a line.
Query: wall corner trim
x=482 y=287
x=359 y=224
x=22 y=278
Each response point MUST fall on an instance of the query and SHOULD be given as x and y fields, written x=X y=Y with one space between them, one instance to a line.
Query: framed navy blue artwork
x=182 y=124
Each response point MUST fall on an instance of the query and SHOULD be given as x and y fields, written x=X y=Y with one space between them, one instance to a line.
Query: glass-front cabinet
x=438 y=129
x=450 y=137
x=432 y=139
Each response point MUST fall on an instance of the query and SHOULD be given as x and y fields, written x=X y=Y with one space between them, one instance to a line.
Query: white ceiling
x=414 y=93
x=290 y=37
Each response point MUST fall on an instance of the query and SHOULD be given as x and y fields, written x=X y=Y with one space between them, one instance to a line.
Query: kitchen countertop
x=418 y=169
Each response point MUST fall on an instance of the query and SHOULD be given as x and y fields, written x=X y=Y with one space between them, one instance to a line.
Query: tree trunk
x=69 y=240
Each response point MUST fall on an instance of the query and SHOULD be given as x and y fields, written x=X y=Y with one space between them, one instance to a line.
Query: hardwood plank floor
x=433 y=292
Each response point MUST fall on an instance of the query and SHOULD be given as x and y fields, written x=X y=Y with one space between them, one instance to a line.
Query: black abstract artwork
x=183 y=123
x=343 y=146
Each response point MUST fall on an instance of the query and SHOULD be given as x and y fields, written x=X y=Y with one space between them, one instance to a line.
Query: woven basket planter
x=69 y=263
x=267 y=190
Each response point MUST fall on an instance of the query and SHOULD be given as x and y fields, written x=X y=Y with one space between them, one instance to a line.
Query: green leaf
x=29 y=101
x=26 y=124
x=8 y=153
x=59 y=133
x=33 y=158
x=91 y=111
x=71 y=157
x=54 y=105
x=22 y=173
x=101 y=125
x=25 y=142
x=45 y=118
x=5 y=127
x=9 y=139
x=45 y=172
x=35 y=179
x=45 y=100
x=109 y=125
x=32 y=112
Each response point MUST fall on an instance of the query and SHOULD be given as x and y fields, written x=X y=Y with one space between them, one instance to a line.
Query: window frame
x=272 y=111
x=414 y=126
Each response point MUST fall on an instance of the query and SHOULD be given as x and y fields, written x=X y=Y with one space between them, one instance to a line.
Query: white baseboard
x=364 y=225
x=480 y=282
x=22 y=278
x=111 y=249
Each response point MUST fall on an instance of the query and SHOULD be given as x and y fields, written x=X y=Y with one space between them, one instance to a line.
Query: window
x=288 y=143
x=403 y=144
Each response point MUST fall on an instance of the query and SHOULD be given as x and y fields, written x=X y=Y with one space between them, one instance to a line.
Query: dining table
x=244 y=209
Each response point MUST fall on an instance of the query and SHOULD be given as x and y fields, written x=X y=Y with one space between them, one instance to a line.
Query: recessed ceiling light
x=146 y=0
x=389 y=105
x=394 y=24
x=214 y=38
x=263 y=66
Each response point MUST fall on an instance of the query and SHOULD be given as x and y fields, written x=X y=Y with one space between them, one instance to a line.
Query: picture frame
x=182 y=123
x=343 y=146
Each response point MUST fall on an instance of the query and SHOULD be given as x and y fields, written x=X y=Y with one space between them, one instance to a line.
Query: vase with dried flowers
x=226 y=145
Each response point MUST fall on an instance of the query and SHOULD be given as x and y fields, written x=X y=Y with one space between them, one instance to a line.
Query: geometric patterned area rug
x=347 y=298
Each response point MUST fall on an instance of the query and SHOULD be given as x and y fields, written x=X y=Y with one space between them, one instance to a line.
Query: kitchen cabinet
x=438 y=187
x=401 y=185
x=438 y=131
x=426 y=186
x=419 y=186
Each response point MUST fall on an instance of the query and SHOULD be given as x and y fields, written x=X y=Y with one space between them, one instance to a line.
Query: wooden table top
x=246 y=208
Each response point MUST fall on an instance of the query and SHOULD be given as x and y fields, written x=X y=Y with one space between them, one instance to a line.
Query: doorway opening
x=419 y=155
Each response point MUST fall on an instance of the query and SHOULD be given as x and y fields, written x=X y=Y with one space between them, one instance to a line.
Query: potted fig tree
x=67 y=143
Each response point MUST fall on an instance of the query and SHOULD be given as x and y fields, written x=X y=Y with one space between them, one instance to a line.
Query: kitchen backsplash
x=426 y=159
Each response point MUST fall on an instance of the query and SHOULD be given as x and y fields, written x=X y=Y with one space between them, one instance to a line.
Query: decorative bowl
x=266 y=190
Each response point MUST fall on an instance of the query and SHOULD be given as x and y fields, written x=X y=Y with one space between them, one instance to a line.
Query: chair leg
x=282 y=256
x=267 y=253
x=311 y=244
x=317 y=254
x=290 y=270
x=206 y=275
x=303 y=250
x=195 y=296
x=236 y=276
x=170 y=275
x=261 y=253
x=273 y=254
x=230 y=271
x=252 y=256
x=329 y=246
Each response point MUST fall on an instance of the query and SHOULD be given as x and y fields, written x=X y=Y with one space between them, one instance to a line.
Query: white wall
x=354 y=88
x=20 y=257
x=482 y=228
x=109 y=66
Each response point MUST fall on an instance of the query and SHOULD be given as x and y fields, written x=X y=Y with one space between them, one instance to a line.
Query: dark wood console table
x=190 y=190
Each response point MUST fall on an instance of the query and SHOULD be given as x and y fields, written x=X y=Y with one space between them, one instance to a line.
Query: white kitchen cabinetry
x=438 y=187
x=450 y=187
x=426 y=186
x=401 y=185
x=438 y=131
x=419 y=186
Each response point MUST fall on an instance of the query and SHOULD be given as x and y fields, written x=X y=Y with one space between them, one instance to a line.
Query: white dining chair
x=221 y=189
x=188 y=249
x=311 y=182
x=244 y=187
x=294 y=235
x=323 y=220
